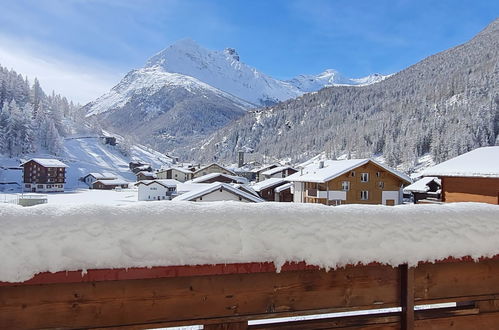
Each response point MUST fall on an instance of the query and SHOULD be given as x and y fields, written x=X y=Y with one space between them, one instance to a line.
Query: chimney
x=321 y=164
x=240 y=162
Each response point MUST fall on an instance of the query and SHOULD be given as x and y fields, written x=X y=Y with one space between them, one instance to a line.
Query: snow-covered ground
x=58 y=237
x=83 y=156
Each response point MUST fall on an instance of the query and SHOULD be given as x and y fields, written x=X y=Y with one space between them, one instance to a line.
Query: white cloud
x=79 y=79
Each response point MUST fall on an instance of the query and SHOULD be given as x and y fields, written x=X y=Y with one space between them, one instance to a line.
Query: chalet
x=219 y=177
x=278 y=172
x=136 y=167
x=212 y=168
x=90 y=178
x=44 y=175
x=284 y=193
x=425 y=190
x=258 y=171
x=156 y=190
x=177 y=173
x=267 y=190
x=218 y=191
x=352 y=181
x=109 y=184
x=471 y=177
x=144 y=175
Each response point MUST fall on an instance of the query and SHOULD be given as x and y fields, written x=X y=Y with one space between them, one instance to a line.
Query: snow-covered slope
x=146 y=82
x=84 y=155
x=330 y=77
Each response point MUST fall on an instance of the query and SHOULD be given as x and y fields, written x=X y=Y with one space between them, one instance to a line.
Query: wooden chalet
x=352 y=181
x=212 y=168
x=425 y=190
x=109 y=184
x=278 y=172
x=177 y=173
x=144 y=175
x=90 y=178
x=44 y=175
x=269 y=190
x=258 y=171
x=470 y=177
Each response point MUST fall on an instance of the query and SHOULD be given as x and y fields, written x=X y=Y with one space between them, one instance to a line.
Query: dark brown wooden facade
x=270 y=195
x=470 y=189
x=39 y=178
x=103 y=185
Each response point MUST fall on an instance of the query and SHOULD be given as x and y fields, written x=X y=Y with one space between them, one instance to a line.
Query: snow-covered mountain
x=186 y=92
x=330 y=77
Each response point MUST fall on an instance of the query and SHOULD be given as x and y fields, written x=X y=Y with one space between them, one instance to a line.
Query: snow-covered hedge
x=57 y=237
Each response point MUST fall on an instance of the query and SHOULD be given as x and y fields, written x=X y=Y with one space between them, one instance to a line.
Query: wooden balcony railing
x=228 y=296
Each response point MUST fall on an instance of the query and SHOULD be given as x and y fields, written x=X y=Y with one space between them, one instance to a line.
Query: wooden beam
x=407 y=297
x=192 y=300
x=227 y=326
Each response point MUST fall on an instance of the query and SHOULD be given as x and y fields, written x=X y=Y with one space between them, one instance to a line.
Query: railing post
x=406 y=297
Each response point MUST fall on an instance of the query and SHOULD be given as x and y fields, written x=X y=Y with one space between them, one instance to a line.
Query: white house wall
x=152 y=192
x=298 y=192
x=395 y=195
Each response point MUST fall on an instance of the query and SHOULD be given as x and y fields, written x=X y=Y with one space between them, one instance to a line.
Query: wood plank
x=456 y=281
x=227 y=326
x=483 y=321
x=188 y=299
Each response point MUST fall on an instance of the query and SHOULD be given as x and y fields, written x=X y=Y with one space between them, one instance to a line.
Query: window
x=154 y=188
x=381 y=185
x=364 y=195
x=378 y=174
x=27 y=186
x=352 y=174
x=171 y=189
x=364 y=177
x=345 y=185
x=40 y=186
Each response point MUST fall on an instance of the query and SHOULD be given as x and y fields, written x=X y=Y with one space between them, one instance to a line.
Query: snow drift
x=57 y=237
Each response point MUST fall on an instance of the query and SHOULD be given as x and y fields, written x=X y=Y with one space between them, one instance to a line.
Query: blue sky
x=83 y=47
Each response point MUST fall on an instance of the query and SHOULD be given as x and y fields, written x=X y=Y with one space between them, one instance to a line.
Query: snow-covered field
x=58 y=237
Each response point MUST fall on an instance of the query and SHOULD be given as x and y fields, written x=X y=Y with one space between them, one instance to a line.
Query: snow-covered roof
x=210 y=176
x=481 y=162
x=102 y=176
x=334 y=168
x=51 y=238
x=276 y=170
x=47 y=162
x=421 y=186
x=180 y=169
x=264 y=168
x=283 y=187
x=115 y=182
x=169 y=183
x=211 y=187
x=146 y=173
x=214 y=164
x=259 y=186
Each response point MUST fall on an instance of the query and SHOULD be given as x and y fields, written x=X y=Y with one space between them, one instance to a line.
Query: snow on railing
x=146 y=234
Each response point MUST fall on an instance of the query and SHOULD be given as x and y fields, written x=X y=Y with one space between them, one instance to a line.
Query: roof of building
x=334 y=168
x=245 y=187
x=277 y=169
x=284 y=187
x=102 y=176
x=115 y=182
x=259 y=186
x=211 y=187
x=214 y=164
x=481 y=162
x=47 y=162
x=264 y=168
x=421 y=186
x=146 y=173
x=168 y=183
x=180 y=169
x=210 y=176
